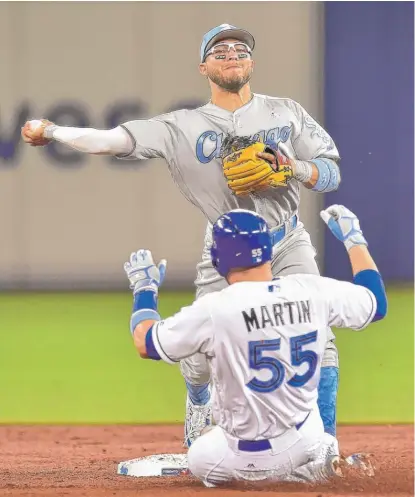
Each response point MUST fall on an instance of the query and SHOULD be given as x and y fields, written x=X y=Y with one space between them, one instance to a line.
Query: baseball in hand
x=33 y=131
x=36 y=123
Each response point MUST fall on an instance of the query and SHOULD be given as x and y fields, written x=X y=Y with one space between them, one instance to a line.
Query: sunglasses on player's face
x=221 y=50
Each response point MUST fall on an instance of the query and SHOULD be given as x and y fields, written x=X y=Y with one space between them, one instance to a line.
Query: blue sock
x=199 y=394
x=327 y=397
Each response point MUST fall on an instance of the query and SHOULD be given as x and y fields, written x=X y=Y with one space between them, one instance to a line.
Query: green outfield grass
x=69 y=358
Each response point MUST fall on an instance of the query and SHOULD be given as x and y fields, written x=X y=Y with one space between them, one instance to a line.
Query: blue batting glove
x=344 y=225
x=143 y=273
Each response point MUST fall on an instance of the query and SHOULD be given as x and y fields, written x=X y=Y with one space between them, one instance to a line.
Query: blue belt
x=279 y=234
x=260 y=445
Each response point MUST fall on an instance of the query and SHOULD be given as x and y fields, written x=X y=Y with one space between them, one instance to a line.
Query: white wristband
x=48 y=131
x=302 y=170
x=353 y=241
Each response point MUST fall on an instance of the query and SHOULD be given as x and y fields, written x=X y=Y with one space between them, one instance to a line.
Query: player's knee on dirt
x=327 y=398
x=206 y=456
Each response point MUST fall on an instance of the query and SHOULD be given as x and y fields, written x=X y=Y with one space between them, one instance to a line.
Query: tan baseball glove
x=250 y=166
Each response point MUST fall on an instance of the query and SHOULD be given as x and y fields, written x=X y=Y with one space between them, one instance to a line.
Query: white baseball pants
x=217 y=457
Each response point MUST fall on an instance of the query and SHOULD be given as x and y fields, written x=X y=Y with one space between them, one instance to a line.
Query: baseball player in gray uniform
x=190 y=141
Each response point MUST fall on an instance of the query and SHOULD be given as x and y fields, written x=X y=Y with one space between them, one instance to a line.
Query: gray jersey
x=190 y=142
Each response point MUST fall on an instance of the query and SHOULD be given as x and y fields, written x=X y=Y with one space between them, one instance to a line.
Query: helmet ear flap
x=214 y=256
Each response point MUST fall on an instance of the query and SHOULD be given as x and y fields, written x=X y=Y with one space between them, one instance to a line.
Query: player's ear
x=203 y=69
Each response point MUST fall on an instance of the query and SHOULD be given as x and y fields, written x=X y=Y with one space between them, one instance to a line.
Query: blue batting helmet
x=241 y=239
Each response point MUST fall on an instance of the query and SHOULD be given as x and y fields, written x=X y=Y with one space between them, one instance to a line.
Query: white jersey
x=264 y=342
x=190 y=142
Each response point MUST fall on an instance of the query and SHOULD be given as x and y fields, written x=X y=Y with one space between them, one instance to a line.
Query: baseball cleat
x=315 y=471
x=197 y=418
x=335 y=466
x=322 y=468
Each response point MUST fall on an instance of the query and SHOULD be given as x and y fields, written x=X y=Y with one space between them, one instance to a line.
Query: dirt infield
x=82 y=461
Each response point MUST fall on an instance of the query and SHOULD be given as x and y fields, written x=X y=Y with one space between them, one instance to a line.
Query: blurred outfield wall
x=369 y=109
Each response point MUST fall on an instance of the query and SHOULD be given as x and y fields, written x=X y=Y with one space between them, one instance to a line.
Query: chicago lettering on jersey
x=209 y=143
x=277 y=315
